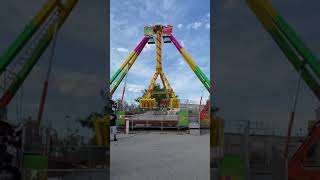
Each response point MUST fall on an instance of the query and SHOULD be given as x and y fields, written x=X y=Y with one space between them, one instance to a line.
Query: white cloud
x=181 y=80
x=195 y=25
x=122 y=49
x=78 y=84
x=182 y=42
x=203 y=21
x=179 y=26
x=149 y=47
x=135 y=88
x=181 y=61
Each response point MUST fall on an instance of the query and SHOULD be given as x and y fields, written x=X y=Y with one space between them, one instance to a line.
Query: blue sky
x=191 y=27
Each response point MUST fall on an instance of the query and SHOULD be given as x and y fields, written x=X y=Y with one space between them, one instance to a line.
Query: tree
x=158 y=97
x=87 y=122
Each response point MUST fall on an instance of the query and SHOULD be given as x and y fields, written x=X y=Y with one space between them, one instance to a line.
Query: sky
x=79 y=66
x=191 y=27
x=253 y=79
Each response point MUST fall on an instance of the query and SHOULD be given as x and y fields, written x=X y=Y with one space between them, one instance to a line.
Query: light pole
x=67 y=117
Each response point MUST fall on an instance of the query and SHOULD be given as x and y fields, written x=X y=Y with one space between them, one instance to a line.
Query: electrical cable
x=293 y=112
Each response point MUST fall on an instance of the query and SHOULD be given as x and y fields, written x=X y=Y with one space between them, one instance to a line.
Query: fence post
x=162 y=125
x=132 y=124
x=127 y=122
x=147 y=123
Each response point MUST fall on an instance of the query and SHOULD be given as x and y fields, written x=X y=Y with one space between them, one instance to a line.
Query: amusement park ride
x=20 y=58
x=308 y=67
x=157 y=32
x=16 y=63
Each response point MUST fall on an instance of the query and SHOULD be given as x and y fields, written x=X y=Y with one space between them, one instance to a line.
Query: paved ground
x=160 y=156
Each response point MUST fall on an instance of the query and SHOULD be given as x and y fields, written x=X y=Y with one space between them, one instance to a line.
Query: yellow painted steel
x=189 y=60
x=265 y=18
x=167 y=85
x=159 y=50
x=216 y=136
x=68 y=7
x=44 y=12
x=147 y=101
x=267 y=5
x=153 y=81
x=101 y=125
x=133 y=53
x=130 y=63
x=174 y=102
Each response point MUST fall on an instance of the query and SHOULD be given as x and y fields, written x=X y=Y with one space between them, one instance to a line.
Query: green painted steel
x=28 y=31
x=183 y=118
x=23 y=73
x=118 y=82
x=115 y=75
x=35 y=162
x=283 y=39
x=297 y=64
x=203 y=78
x=16 y=46
x=298 y=44
x=36 y=54
x=233 y=166
x=121 y=118
x=196 y=71
x=203 y=75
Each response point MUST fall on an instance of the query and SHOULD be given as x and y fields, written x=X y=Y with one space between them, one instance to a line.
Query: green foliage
x=158 y=97
x=87 y=122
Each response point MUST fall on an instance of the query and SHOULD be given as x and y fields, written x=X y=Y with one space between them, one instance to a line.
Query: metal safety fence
x=66 y=174
x=157 y=121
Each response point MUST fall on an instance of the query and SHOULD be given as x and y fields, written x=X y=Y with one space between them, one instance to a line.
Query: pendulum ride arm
x=289 y=42
x=38 y=50
x=26 y=34
x=305 y=62
x=127 y=63
x=135 y=52
x=195 y=68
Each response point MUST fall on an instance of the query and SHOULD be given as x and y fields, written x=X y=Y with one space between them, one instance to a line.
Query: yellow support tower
x=102 y=131
x=147 y=101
